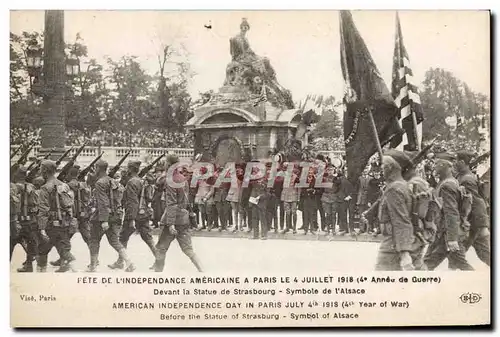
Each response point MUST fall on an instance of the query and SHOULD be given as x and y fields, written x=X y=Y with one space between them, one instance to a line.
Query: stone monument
x=250 y=116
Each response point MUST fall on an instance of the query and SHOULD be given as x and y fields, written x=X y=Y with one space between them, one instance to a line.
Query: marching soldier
x=479 y=236
x=176 y=219
x=158 y=202
x=399 y=247
x=82 y=200
x=106 y=217
x=55 y=211
x=327 y=201
x=27 y=217
x=452 y=232
x=15 y=207
x=137 y=213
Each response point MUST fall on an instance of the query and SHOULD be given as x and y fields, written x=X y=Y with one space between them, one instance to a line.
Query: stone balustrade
x=146 y=155
x=113 y=154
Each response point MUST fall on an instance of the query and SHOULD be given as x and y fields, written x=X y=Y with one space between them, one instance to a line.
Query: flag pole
x=375 y=133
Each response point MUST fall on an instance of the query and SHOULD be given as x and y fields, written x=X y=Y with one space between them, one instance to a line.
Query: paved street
x=241 y=254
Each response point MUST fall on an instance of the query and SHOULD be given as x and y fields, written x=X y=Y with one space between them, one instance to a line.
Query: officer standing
x=399 y=246
x=26 y=216
x=452 y=233
x=136 y=213
x=176 y=219
x=106 y=217
x=479 y=236
x=55 y=218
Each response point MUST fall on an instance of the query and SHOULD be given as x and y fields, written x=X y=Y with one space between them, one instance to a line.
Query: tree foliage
x=118 y=95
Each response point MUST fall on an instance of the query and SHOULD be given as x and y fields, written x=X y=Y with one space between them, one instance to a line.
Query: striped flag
x=262 y=96
x=406 y=97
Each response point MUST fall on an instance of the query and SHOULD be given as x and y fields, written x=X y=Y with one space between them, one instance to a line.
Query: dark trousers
x=84 y=229
x=438 y=251
x=223 y=208
x=144 y=230
x=28 y=236
x=351 y=207
x=481 y=245
x=96 y=234
x=272 y=213
x=330 y=216
x=183 y=237
x=59 y=237
x=319 y=206
x=310 y=213
x=259 y=215
x=341 y=208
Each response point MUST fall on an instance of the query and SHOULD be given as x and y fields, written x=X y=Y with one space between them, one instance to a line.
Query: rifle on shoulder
x=116 y=168
x=148 y=168
x=86 y=170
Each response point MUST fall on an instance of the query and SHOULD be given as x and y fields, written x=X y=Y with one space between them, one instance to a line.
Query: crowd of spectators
x=153 y=138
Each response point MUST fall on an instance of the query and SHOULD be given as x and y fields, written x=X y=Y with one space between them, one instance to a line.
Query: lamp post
x=49 y=70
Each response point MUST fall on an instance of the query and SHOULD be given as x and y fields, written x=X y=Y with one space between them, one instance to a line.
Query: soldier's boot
x=65 y=267
x=56 y=263
x=119 y=264
x=26 y=268
x=92 y=267
x=41 y=264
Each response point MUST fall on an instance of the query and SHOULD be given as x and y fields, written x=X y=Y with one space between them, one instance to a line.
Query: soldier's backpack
x=464 y=203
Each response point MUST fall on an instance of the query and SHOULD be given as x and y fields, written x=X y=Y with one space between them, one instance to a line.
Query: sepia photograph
x=250 y=168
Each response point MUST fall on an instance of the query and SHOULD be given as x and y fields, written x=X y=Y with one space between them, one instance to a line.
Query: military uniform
x=478 y=217
x=81 y=206
x=55 y=212
x=136 y=198
x=394 y=213
x=175 y=222
x=107 y=198
x=15 y=207
x=158 y=202
x=27 y=217
x=450 y=227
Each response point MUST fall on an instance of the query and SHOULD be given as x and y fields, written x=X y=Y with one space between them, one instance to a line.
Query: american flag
x=262 y=96
x=406 y=97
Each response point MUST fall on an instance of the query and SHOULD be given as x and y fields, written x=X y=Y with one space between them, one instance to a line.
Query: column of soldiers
x=48 y=210
x=421 y=225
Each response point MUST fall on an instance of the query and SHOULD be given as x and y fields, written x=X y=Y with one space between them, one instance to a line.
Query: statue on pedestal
x=249 y=70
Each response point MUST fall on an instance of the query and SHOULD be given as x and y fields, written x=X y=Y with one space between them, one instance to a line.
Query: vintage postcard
x=249 y=169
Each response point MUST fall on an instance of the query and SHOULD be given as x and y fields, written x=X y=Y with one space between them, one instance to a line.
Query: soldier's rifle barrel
x=479 y=159
x=65 y=154
x=146 y=169
x=115 y=168
x=86 y=170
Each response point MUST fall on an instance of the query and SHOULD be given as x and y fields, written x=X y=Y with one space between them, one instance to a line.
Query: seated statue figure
x=252 y=71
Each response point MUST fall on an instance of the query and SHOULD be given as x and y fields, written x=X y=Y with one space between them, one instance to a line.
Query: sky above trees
x=303 y=46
